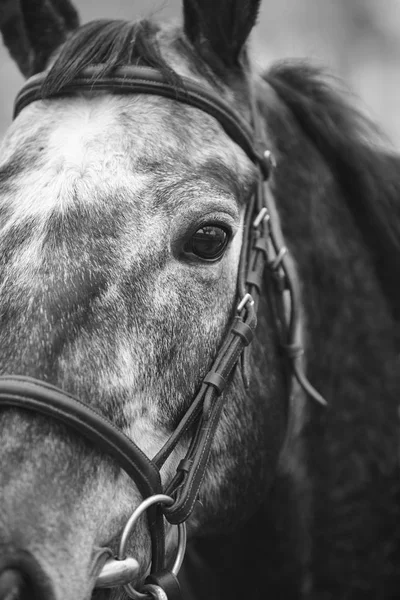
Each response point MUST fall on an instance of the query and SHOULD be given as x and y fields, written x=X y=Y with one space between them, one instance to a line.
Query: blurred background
x=359 y=40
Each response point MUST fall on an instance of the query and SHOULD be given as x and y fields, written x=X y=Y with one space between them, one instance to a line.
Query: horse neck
x=351 y=341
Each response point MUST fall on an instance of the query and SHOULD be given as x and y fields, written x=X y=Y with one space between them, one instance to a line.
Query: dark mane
x=115 y=43
x=353 y=148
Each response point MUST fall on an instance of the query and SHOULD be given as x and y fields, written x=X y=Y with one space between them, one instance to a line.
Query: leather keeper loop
x=243 y=331
x=261 y=244
x=184 y=465
x=167 y=582
x=265 y=160
x=293 y=350
x=280 y=280
x=255 y=278
x=265 y=167
x=216 y=380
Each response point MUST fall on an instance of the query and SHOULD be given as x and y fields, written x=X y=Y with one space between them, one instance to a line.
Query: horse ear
x=223 y=25
x=33 y=29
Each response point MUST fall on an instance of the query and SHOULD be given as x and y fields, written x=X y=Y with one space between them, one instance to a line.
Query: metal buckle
x=247 y=299
x=274 y=264
x=269 y=156
x=263 y=215
x=267 y=161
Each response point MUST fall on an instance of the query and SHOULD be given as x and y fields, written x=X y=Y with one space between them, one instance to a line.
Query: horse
x=162 y=203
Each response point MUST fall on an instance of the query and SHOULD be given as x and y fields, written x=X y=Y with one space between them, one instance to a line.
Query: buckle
x=247 y=299
x=267 y=163
x=263 y=215
x=274 y=264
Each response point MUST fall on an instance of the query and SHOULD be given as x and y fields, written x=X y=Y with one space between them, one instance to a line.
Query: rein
x=263 y=248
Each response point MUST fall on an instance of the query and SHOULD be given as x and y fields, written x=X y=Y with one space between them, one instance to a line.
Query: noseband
x=263 y=248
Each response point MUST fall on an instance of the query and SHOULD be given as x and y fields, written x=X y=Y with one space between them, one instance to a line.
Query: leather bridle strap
x=146 y=80
x=34 y=395
x=207 y=407
x=31 y=394
x=262 y=245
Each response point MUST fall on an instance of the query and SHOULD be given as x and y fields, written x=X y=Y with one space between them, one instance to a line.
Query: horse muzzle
x=22 y=578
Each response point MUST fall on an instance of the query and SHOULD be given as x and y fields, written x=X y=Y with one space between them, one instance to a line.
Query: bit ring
x=157 y=499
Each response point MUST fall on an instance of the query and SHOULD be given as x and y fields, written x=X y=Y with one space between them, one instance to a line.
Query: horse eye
x=208 y=242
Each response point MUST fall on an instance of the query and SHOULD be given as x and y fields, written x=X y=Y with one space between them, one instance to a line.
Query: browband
x=145 y=80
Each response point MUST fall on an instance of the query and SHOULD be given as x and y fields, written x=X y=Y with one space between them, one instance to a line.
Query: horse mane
x=114 y=43
x=354 y=149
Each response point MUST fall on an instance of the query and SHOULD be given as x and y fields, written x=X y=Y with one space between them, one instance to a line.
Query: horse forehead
x=95 y=127
x=104 y=133
x=90 y=142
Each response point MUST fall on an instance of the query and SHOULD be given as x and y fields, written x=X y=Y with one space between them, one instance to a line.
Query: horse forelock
x=109 y=44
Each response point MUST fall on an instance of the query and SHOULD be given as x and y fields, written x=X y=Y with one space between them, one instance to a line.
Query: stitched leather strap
x=145 y=80
x=186 y=484
x=43 y=398
x=262 y=244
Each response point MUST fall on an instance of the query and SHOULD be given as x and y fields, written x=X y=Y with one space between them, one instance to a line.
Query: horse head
x=122 y=220
x=146 y=229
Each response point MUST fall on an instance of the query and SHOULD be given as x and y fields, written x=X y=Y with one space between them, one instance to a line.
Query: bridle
x=263 y=248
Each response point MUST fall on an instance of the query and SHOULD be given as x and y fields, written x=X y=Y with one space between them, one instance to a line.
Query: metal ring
x=157 y=499
x=155 y=592
x=269 y=156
